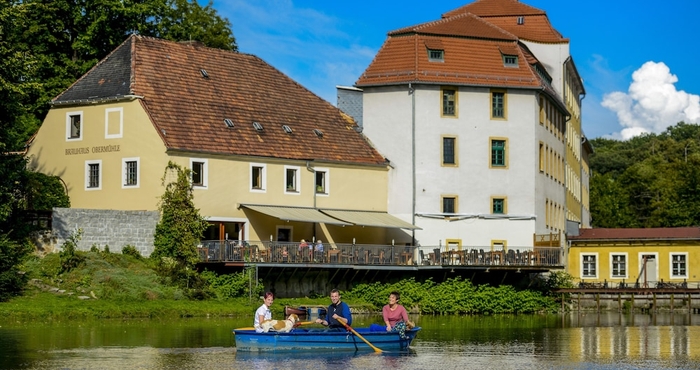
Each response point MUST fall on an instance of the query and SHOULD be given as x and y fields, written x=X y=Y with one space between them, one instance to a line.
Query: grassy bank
x=111 y=285
x=36 y=305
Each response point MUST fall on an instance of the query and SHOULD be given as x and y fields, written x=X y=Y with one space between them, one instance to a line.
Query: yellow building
x=269 y=159
x=644 y=256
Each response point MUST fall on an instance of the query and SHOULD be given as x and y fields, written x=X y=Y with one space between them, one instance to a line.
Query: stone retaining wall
x=115 y=229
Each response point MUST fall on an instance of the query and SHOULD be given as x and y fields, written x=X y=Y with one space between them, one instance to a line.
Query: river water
x=570 y=341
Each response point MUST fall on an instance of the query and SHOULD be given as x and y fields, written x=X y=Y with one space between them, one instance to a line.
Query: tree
x=12 y=279
x=181 y=226
x=652 y=180
x=46 y=45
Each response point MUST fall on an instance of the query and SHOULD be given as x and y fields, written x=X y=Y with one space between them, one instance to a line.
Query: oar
x=361 y=337
x=298 y=324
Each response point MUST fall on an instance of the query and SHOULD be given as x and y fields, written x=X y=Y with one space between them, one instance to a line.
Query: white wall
x=387 y=123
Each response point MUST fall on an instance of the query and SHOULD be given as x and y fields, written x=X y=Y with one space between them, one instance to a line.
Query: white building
x=479 y=115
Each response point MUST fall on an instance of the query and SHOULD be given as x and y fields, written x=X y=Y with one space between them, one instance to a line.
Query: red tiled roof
x=505 y=13
x=188 y=109
x=464 y=25
x=485 y=8
x=637 y=234
x=472 y=56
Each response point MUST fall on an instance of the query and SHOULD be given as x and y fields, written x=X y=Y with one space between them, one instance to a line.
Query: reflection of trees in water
x=12 y=349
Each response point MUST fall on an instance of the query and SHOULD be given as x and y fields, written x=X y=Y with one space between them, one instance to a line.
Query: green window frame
x=498 y=104
x=498 y=206
x=498 y=153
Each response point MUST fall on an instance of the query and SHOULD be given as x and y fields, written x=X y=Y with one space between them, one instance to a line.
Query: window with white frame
x=589 y=266
x=679 y=265
x=114 y=123
x=258 y=177
x=200 y=172
x=618 y=268
x=130 y=172
x=93 y=175
x=322 y=181
x=74 y=126
x=292 y=182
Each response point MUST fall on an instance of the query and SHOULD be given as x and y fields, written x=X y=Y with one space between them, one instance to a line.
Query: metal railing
x=374 y=254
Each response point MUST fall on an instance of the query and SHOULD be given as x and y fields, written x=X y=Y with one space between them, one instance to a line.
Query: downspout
x=580 y=163
x=412 y=91
x=311 y=169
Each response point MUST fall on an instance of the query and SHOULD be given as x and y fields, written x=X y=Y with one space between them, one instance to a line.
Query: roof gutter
x=111 y=99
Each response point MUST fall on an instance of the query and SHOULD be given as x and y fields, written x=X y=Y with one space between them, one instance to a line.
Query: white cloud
x=652 y=102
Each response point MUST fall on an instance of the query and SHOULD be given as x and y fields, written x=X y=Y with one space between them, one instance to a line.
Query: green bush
x=12 y=279
x=233 y=285
x=130 y=250
x=454 y=296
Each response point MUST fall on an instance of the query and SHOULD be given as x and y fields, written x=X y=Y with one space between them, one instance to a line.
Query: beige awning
x=370 y=218
x=295 y=214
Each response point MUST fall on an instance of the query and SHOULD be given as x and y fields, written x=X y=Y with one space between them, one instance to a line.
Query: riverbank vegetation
x=101 y=284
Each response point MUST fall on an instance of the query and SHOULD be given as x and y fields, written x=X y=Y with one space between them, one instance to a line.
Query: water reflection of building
x=611 y=337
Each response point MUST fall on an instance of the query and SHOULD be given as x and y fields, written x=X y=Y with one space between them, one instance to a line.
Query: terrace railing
x=374 y=254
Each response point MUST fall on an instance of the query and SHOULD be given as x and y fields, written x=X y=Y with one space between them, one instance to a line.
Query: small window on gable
x=435 y=55
x=510 y=60
x=74 y=125
x=114 y=123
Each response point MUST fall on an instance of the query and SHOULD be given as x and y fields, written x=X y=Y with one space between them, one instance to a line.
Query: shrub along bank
x=100 y=284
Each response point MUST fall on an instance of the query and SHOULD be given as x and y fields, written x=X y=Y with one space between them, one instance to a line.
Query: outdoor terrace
x=265 y=252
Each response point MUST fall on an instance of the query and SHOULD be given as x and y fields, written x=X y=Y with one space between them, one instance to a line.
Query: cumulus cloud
x=652 y=102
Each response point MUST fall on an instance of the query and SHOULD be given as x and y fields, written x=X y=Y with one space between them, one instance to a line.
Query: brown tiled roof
x=637 y=234
x=505 y=13
x=491 y=8
x=472 y=56
x=188 y=109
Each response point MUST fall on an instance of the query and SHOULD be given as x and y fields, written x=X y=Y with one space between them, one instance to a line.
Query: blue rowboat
x=305 y=340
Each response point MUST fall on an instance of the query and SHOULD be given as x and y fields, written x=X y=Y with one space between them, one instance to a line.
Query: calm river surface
x=572 y=341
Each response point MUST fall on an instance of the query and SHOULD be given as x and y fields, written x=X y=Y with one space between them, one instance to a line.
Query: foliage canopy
x=651 y=180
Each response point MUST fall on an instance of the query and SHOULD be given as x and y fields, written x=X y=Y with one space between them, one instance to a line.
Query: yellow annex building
x=269 y=159
x=643 y=257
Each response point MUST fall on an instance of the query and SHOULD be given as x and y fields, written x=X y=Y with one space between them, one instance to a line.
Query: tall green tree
x=181 y=226
x=46 y=45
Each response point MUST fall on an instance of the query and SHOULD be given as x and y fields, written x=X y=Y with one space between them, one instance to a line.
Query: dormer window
x=521 y=20
x=258 y=127
x=435 y=55
x=510 y=60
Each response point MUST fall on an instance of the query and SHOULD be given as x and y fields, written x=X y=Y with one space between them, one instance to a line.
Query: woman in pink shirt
x=395 y=315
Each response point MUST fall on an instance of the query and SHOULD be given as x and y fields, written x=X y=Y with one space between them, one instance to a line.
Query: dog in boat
x=281 y=326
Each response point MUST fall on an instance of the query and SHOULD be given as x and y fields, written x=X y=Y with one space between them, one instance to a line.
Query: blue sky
x=638 y=58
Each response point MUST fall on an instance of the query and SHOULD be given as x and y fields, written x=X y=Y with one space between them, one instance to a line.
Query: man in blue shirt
x=337 y=314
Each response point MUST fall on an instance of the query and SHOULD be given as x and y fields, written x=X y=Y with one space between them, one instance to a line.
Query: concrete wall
x=106 y=227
